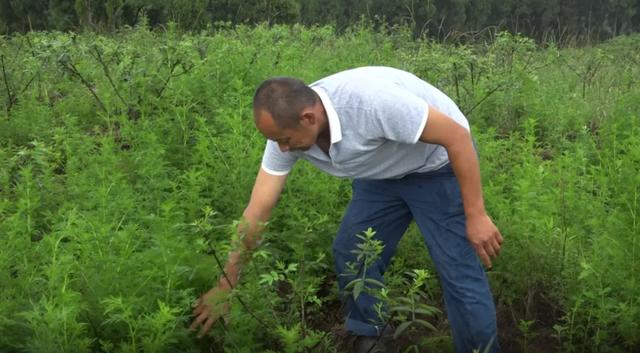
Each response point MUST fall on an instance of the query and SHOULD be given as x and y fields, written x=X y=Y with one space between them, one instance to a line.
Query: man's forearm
x=249 y=233
x=464 y=162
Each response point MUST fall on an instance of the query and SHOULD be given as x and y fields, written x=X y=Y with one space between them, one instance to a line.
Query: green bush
x=125 y=160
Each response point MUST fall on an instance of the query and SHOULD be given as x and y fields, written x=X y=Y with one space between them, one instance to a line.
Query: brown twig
x=33 y=53
x=30 y=82
x=67 y=64
x=486 y=96
x=106 y=72
x=172 y=75
x=10 y=96
x=24 y=89
x=166 y=82
x=224 y=273
x=526 y=68
x=456 y=78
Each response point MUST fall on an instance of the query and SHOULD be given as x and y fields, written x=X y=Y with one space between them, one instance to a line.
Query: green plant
x=367 y=252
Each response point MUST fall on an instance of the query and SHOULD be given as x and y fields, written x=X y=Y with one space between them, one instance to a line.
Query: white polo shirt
x=376 y=116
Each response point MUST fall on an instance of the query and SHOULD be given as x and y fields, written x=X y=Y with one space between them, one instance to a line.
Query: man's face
x=299 y=138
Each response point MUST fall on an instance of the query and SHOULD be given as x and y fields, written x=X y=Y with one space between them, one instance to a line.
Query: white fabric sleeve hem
x=274 y=172
x=422 y=124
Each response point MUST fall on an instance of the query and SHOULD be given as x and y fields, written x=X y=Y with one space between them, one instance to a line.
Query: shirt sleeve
x=276 y=162
x=399 y=115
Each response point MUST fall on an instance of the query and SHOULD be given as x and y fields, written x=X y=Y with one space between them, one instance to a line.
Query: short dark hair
x=284 y=98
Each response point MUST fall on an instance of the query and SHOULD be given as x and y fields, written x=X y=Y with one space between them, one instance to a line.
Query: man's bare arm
x=481 y=232
x=265 y=195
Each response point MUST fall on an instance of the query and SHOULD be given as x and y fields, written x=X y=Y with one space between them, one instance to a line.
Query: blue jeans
x=433 y=199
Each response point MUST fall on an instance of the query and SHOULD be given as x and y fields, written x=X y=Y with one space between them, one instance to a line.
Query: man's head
x=288 y=112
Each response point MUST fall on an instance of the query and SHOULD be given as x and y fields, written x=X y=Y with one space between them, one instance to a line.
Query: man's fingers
x=203 y=316
x=483 y=256
x=209 y=308
x=488 y=248
x=206 y=327
x=198 y=309
x=492 y=249
x=486 y=261
x=496 y=246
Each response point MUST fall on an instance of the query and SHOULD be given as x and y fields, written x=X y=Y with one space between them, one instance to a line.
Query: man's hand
x=211 y=306
x=214 y=304
x=484 y=237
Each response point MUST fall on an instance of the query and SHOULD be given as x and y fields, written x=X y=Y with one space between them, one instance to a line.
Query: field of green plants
x=127 y=160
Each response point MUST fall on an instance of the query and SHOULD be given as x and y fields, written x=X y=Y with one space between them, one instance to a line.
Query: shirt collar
x=334 y=123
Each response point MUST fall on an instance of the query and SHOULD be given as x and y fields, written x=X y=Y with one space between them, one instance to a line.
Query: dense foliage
x=125 y=160
x=561 y=21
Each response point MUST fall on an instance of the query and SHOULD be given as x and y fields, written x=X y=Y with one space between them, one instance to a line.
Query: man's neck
x=324 y=138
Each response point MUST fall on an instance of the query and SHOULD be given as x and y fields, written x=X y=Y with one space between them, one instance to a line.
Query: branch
x=24 y=89
x=33 y=53
x=67 y=64
x=106 y=72
x=13 y=97
x=10 y=97
x=503 y=84
x=30 y=82
x=224 y=273
x=489 y=94
x=171 y=74
x=166 y=82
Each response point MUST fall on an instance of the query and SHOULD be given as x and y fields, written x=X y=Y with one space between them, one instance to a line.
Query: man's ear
x=308 y=117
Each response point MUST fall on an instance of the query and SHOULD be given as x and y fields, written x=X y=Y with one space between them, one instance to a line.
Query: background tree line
x=542 y=19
